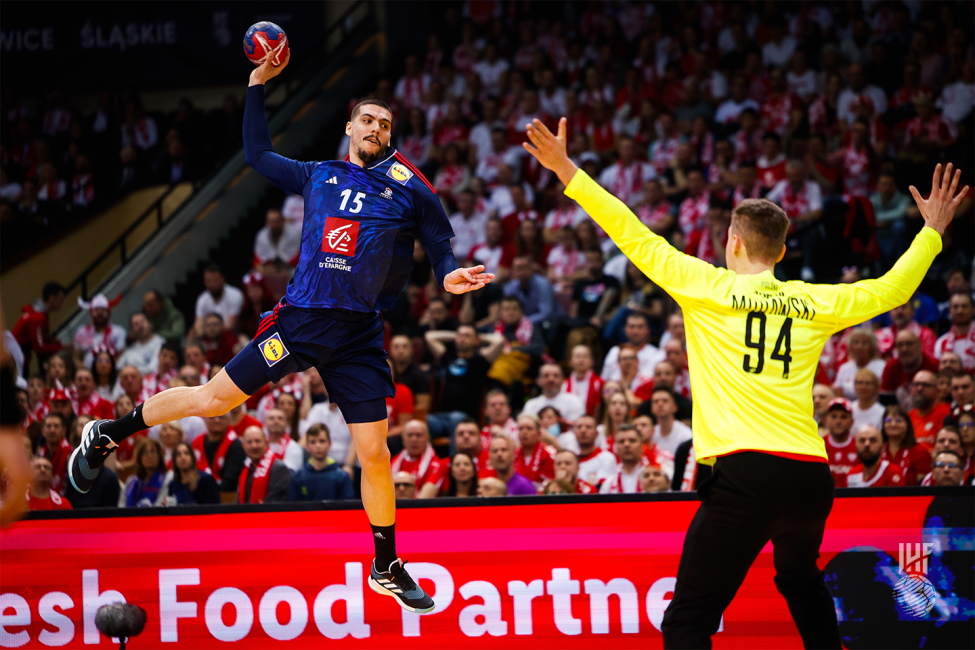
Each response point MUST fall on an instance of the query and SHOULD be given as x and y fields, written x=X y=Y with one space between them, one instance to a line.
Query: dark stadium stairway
x=218 y=223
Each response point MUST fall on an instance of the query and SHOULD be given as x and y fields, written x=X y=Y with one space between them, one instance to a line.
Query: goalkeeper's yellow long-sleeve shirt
x=753 y=342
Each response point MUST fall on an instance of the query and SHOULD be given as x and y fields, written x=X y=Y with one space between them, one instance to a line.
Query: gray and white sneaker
x=89 y=457
x=396 y=582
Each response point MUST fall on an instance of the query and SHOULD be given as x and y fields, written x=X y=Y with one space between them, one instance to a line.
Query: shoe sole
x=375 y=586
x=84 y=432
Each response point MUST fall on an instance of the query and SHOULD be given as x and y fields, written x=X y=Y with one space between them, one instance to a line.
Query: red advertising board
x=540 y=575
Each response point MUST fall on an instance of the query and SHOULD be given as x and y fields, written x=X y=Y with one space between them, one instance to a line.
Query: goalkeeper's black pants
x=750 y=499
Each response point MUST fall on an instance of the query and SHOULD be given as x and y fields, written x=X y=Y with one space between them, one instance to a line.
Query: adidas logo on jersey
x=388 y=194
x=332 y=181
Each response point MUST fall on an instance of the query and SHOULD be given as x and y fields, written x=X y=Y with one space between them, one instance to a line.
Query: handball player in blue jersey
x=362 y=215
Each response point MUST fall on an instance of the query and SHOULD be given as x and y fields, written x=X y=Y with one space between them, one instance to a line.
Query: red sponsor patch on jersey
x=340 y=236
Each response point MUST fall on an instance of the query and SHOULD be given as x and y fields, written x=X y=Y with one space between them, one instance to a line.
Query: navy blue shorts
x=346 y=347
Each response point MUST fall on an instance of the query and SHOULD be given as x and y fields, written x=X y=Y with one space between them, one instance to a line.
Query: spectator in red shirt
x=218 y=342
x=901 y=448
x=468 y=439
x=898 y=373
x=533 y=459
x=902 y=318
x=872 y=470
x=840 y=448
x=40 y=495
x=56 y=449
x=85 y=401
x=928 y=413
x=771 y=164
x=419 y=459
x=33 y=329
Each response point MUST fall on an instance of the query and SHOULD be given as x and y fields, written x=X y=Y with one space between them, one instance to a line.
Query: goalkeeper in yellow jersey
x=753 y=344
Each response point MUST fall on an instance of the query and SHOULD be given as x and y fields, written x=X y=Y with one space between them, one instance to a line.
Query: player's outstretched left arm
x=467 y=279
x=678 y=274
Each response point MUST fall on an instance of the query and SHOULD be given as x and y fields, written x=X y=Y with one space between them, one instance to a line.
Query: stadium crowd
x=59 y=164
x=568 y=375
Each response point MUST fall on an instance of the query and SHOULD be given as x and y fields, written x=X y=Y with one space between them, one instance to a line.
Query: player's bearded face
x=370 y=133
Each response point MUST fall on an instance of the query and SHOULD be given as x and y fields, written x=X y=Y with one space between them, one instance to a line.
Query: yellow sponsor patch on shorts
x=273 y=349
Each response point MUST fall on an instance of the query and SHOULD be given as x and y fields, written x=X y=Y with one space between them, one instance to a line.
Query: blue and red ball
x=265 y=39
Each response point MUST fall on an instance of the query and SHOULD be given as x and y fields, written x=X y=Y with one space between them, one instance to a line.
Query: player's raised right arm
x=289 y=175
x=680 y=275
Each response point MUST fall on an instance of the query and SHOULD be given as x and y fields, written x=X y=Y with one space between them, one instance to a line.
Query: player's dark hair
x=763 y=226
x=316 y=429
x=51 y=289
x=369 y=102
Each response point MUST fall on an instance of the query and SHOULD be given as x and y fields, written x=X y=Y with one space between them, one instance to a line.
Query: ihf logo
x=914 y=592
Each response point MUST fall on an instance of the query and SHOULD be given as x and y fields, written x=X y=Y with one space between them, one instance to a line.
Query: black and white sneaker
x=89 y=457
x=397 y=583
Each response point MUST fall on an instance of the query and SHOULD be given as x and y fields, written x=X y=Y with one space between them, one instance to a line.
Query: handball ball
x=264 y=40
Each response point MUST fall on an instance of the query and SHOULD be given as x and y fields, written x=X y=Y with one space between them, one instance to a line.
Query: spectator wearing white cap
x=100 y=333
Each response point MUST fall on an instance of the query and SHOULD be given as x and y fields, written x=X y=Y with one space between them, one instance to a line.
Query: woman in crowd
x=866 y=408
x=587 y=236
x=453 y=176
x=864 y=353
x=964 y=419
x=461 y=479
x=185 y=484
x=287 y=402
x=170 y=435
x=104 y=371
x=901 y=448
x=566 y=263
x=56 y=372
x=142 y=489
x=414 y=141
x=617 y=412
x=528 y=241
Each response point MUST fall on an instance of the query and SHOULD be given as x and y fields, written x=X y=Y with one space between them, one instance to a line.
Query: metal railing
x=352 y=17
